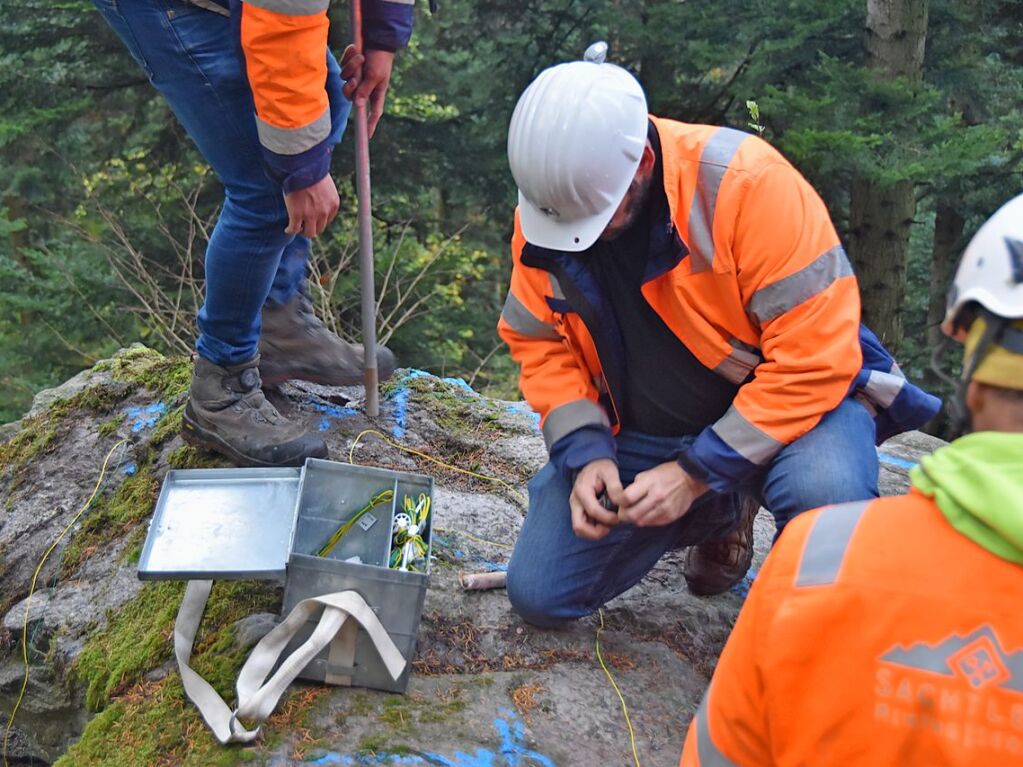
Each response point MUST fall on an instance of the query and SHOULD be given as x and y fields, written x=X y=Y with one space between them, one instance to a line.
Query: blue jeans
x=554 y=576
x=192 y=57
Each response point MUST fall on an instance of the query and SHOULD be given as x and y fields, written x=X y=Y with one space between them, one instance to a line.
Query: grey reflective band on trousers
x=714 y=161
x=523 y=322
x=789 y=292
x=737 y=366
x=291 y=7
x=710 y=755
x=883 y=388
x=745 y=438
x=293 y=140
x=565 y=419
x=827 y=543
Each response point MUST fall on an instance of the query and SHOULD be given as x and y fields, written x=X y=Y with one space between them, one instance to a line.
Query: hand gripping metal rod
x=369 y=326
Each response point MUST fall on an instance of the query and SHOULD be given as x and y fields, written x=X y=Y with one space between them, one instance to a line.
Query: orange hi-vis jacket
x=875 y=634
x=753 y=280
x=284 y=43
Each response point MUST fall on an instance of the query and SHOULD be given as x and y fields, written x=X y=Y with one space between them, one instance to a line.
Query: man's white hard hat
x=574 y=144
x=991 y=270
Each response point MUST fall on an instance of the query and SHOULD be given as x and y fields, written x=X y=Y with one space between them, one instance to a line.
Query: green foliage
x=105 y=205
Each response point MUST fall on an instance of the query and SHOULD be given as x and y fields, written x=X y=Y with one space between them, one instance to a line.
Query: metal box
x=233 y=524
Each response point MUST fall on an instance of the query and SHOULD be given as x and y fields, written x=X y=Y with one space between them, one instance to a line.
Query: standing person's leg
x=555 y=576
x=190 y=56
x=833 y=463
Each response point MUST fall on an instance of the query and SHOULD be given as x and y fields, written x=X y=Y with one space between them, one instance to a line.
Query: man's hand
x=367 y=78
x=659 y=496
x=590 y=520
x=310 y=210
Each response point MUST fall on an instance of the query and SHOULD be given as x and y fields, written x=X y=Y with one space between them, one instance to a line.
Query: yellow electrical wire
x=625 y=709
x=32 y=588
x=364 y=432
x=381 y=497
x=449 y=531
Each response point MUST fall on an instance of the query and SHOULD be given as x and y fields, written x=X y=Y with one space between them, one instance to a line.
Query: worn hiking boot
x=714 y=567
x=295 y=344
x=226 y=412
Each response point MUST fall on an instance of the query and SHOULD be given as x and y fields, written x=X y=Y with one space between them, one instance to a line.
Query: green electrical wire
x=382 y=497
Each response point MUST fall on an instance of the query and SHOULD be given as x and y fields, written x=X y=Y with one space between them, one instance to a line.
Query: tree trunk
x=881 y=214
x=945 y=250
x=880 y=218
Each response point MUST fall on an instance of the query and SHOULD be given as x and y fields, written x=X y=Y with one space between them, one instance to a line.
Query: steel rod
x=366 y=281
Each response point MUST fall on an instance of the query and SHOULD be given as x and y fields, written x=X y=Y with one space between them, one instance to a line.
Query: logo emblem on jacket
x=979 y=659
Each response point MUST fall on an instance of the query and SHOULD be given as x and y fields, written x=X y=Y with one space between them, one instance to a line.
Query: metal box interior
x=233 y=524
x=330 y=494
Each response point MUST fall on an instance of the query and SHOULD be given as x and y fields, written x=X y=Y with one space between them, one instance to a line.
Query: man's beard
x=636 y=196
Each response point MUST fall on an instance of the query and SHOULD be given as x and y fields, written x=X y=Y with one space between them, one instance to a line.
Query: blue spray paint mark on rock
x=330 y=411
x=145 y=417
x=512 y=753
x=400 y=399
x=523 y=408
x=742 y=587
x=400 y=396
x=130 y=469
x=894 y=460
x=334 y=411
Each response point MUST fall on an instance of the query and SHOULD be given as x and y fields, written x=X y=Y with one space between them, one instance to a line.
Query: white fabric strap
x=258 y=696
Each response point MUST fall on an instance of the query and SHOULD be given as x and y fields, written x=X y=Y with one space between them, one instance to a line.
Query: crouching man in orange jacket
x=891 y=632
x=688 y=329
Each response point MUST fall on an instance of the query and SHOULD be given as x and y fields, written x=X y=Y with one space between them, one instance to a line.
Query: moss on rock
x=141 y=722
x=166 y=376
x=112 y=517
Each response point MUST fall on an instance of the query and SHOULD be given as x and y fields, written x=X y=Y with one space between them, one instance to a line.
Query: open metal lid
x=222 y=524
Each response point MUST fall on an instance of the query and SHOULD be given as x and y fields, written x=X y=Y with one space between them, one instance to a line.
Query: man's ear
x=646 y=162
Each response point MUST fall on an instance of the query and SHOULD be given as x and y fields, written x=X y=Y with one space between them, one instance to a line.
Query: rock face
x=487 y=689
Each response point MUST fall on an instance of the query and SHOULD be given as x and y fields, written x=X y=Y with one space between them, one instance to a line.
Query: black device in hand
x=606 y=502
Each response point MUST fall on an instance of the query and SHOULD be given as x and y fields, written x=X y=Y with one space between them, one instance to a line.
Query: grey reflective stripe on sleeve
x=401 y=2
x=522 y=321
x=565 y=419
x=710 y=754
x=774 y=300
x=883 y=388
x=745 y=438
x=827 y=542
x=293 y=140
x=717 y=154
x=291 y=7
x=737 y=365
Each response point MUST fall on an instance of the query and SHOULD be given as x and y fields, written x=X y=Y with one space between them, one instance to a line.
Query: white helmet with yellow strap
x=985 y=302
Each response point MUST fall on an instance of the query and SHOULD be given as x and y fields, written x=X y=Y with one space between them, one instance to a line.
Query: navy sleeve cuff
x=298 y=171
x=581 y=447
x=387 y=26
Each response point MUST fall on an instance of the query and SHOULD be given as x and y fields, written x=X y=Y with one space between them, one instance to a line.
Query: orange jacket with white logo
x=755 y=283
x=875 y=634
x=285 y=48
